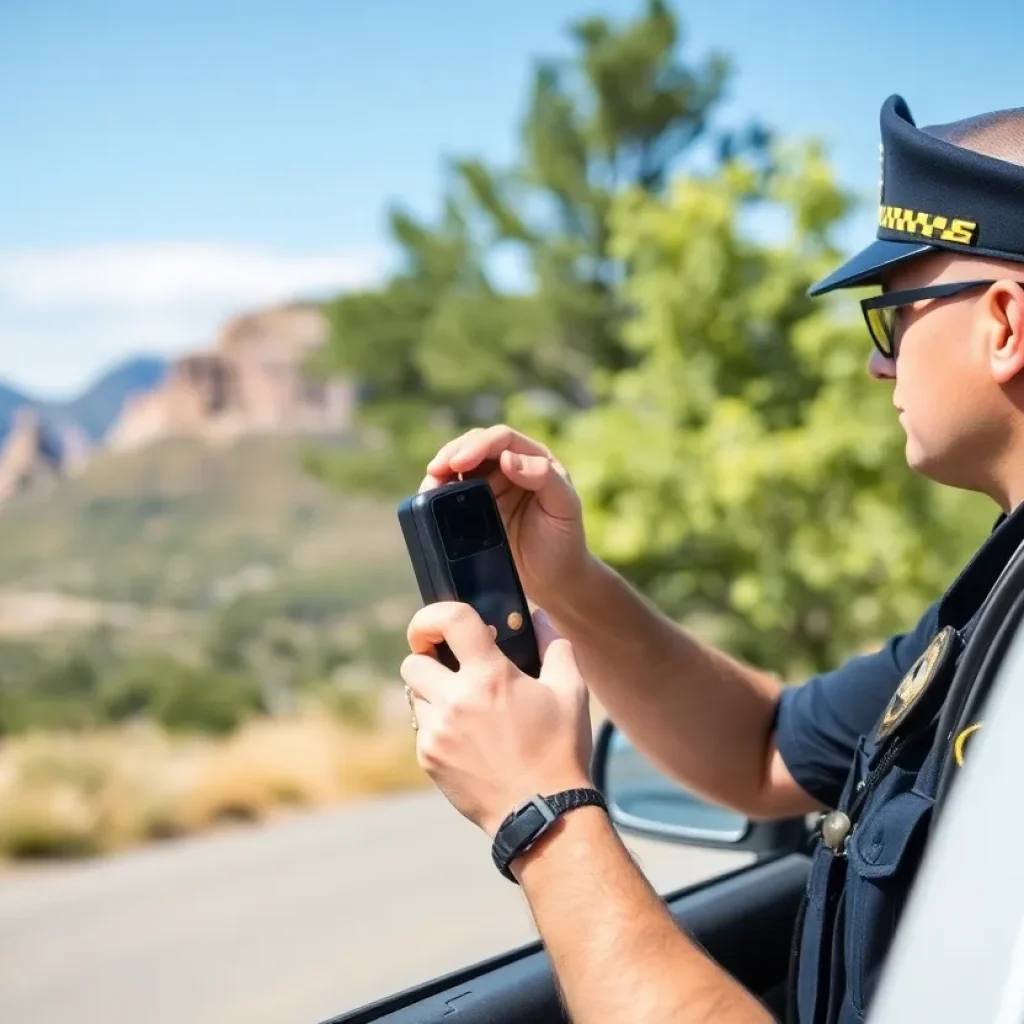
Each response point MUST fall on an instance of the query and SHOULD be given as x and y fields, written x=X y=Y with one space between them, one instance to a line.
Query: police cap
x=946 y=187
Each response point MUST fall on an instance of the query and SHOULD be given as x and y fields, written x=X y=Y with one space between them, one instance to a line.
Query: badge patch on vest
x=916 y=682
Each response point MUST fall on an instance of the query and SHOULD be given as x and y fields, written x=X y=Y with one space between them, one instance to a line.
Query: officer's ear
x=1003 y=312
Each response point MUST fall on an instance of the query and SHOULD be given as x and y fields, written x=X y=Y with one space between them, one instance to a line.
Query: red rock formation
x=29 y=457
x=254 y=380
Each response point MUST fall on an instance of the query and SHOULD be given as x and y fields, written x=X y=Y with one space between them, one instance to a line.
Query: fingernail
x=517 y=462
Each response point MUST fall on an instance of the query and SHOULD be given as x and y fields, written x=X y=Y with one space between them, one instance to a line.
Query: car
x=958 y=953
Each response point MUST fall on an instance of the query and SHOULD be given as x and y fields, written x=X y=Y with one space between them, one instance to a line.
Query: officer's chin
x=919 y=459
x=941 y=468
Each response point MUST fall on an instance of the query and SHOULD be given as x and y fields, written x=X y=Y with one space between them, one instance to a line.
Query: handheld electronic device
x=460 y=552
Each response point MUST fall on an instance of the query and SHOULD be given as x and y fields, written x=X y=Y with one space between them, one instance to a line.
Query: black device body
x=460 y=552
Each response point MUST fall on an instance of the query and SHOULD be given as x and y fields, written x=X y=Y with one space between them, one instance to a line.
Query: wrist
x=532 y=819
x=575 y=591
x=573 y=779
x=561 y=847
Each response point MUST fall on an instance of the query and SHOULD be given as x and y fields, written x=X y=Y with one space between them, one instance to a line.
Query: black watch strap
x=531 y=819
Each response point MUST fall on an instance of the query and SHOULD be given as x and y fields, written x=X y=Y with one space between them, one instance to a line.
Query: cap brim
x=868 y=266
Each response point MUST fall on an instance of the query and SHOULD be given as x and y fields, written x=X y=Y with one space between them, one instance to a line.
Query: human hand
x=489 y=735
x=539 y=507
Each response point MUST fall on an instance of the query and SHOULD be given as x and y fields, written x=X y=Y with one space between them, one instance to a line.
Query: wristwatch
x=531 y=819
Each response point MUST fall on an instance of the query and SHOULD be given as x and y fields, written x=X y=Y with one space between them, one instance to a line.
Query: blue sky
x=164 y=165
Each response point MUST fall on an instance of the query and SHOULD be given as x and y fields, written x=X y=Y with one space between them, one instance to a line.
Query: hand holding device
x=460 y=552
x=541 y=510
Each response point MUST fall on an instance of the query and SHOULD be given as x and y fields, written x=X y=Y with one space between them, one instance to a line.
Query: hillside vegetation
x=189 y=526
x=210 y=584
x=191 y=634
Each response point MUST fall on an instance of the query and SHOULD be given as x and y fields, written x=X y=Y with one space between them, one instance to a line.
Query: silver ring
x=412 y=708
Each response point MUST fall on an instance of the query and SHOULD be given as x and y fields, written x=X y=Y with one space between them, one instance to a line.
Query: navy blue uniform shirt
x=825 y=731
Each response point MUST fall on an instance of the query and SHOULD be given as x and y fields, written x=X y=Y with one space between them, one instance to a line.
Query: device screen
x=468 y=522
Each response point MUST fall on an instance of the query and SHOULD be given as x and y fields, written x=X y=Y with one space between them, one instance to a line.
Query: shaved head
x=999 y=135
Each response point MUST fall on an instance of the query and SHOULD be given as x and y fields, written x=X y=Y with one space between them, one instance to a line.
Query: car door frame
x=768 y=890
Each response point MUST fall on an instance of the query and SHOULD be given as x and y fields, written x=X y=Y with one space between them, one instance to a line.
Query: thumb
x=558 y=661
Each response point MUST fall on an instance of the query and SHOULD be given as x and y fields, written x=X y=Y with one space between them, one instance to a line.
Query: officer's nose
x=880 y=367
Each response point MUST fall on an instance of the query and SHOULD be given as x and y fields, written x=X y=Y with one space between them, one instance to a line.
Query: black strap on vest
x=992 y=629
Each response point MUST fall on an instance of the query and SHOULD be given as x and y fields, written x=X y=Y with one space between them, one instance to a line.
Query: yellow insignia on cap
x=929 y=225
x=915 y=682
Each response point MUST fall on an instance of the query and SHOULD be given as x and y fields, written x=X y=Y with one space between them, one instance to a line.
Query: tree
x=744 y=470
x=734 y=459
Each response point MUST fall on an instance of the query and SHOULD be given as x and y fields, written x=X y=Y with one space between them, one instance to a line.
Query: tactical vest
x=868 y=849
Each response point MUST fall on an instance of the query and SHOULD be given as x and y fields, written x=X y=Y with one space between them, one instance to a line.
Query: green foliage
x=179 y=697
x=734 y=459
x=353 y=706
x=746 y=469
x=188 y=526
x=56 y=692
x=72 y=690
x=382 y=649
x=228 y=581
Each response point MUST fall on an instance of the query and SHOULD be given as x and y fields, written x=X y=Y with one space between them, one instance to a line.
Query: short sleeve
x=819 y=723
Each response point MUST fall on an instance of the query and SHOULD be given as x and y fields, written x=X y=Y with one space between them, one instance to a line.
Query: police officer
x=866 y=744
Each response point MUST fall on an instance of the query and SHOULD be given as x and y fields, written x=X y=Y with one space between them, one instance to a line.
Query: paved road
x=287 y=924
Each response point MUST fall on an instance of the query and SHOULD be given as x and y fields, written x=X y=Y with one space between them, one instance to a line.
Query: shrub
x=178 y=696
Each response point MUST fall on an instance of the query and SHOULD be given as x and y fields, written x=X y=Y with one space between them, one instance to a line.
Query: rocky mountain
x=91 y=413
x=32 y=455
x=11 y=401
x=99 y=407
x=255 y=379
x=43 y=441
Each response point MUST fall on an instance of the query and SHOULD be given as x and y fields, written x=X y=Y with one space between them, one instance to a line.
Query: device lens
x=468 y=522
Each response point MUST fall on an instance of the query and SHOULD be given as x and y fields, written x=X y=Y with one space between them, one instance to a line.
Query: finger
x=439 y=466
x=474 y=448
x=558 y=660
x=544 y=630
x=427 y=678
x=457 y=624
x=489 y=469
x=490 y=444
x=542 y=475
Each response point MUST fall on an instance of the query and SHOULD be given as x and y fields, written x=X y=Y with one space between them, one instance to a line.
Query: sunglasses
x=881 y=311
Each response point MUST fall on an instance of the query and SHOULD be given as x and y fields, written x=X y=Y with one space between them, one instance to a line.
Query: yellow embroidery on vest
x=958 y=743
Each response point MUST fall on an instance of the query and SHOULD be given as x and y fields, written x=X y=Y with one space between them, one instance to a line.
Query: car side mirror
x=645 y=801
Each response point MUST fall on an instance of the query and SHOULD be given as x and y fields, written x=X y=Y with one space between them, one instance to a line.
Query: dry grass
x=74 y=795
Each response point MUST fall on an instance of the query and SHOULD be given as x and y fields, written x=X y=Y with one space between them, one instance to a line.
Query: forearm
x=699 y=714
x=616 y=951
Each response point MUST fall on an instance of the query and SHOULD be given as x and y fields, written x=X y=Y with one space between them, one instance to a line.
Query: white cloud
x=133 y=276
x=67 y=313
